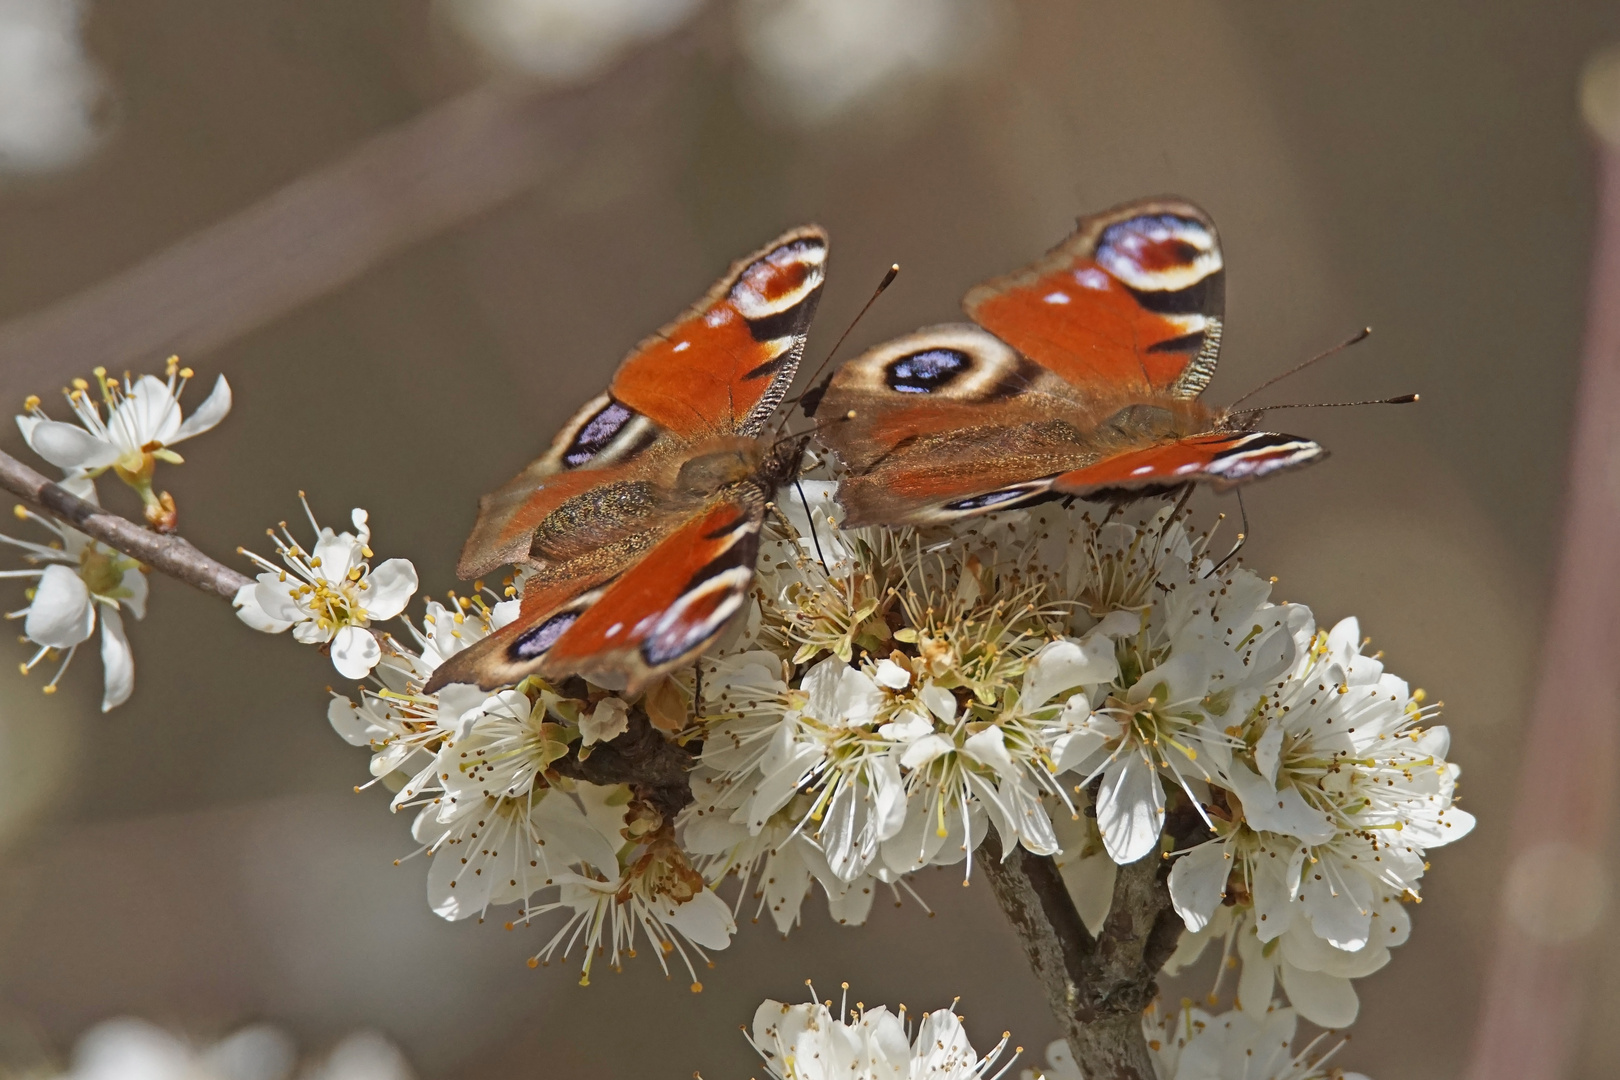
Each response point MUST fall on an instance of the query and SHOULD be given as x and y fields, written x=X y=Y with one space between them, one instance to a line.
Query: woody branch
x=168 y=554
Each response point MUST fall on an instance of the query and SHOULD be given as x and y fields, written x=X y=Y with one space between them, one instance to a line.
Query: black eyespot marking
x=993 y=498
x=535 y=642
x=1186 y=343
x=926 y=371
x=596 y=433
x=1207 y=297
x=789 y=322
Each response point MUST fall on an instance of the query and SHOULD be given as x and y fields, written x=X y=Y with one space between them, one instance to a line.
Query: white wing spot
x=1191 y=466
x=1140 y=469
x=683 y=346
x=1056 y=298
x=613 y=631
x=1092 y=278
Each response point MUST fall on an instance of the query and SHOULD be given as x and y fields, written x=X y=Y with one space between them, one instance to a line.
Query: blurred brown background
x=198 y=857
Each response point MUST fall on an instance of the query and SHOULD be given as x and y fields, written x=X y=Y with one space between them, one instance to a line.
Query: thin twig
x=1097 y=987
x=168 y=554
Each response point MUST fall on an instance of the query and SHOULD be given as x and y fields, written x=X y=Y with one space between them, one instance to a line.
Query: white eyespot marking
x=613 y=631
x=682 y=347
x=1141 y=470
x=697 y=616
x=1056 y=298
x=781 y=280
x=1159 y=252
x=1091 y=278
x=1273 y=452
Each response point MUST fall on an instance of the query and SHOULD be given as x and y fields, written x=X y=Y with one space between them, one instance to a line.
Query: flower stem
x=1097 y=987
x=167 y=554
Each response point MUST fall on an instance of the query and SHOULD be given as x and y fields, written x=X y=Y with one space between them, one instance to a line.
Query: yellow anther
x=31 y=402
x=80 y=384
x=186 y=373
x=21 y=511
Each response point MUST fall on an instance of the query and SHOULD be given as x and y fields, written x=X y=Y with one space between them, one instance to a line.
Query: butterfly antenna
x=1403 y=399
x=1297 y=368
x=888 y=279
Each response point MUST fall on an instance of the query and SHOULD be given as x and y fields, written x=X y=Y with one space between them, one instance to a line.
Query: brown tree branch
x=168 y=554
x=654 y=766
x=1097 y=987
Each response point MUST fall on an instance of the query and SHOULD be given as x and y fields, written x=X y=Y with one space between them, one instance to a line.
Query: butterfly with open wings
x=1081 y=378
x=642 y=521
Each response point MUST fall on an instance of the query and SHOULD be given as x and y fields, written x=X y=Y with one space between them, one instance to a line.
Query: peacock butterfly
x=1081 y=378
x=642 y=521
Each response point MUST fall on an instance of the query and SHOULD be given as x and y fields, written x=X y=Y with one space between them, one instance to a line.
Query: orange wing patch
x=722 y=367
x=1133 y=300
x=671 y=605
x=1222 y=459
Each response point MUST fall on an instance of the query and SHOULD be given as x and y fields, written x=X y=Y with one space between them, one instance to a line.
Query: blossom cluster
x=1098 y=691
x=1190 y=1044
x=808 y=1042
x=126 y=1048
x=499 y=825
x=126 y=426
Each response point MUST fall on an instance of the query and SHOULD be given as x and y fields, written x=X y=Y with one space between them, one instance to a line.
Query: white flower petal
x=68 y=446
x=939 y=701
x=117 y=661
x=62 y=614
x=149 y=414
x=391 y=587
x=1325 y=1000
x=250 y=611
x=1198 y=883
x=355 y=652
x=989 y=747
x=705 y=920
x=1130 y=808
x=207 y=415
x=1065 y=665
x=606 y=722
x=892 y=675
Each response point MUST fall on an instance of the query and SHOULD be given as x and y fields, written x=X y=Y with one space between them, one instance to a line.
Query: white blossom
x=563 y=40
x=131 y=1049
x=806 y=1042
x=50 y=90
x=332 y=595
x=1191 y=1044
x=78 y=582
x=1324 y=826
x=818 y=60
x=142 y=424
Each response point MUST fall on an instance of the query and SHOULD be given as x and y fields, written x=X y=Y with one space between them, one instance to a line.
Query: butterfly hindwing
x=719 y=369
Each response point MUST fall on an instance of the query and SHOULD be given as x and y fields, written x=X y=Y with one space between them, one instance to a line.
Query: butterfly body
x=641 y=524
x=1080 y=376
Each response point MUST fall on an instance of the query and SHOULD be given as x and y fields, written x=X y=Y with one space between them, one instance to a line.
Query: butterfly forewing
x=1132 y=300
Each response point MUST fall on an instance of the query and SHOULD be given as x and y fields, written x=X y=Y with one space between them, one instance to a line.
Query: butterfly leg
x=814 y=537
x=1242 y=537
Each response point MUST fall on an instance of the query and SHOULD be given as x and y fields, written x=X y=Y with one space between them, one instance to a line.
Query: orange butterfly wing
x=642 y=520
x=1132 y=300
x=1081 y=378
x=720 y=369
